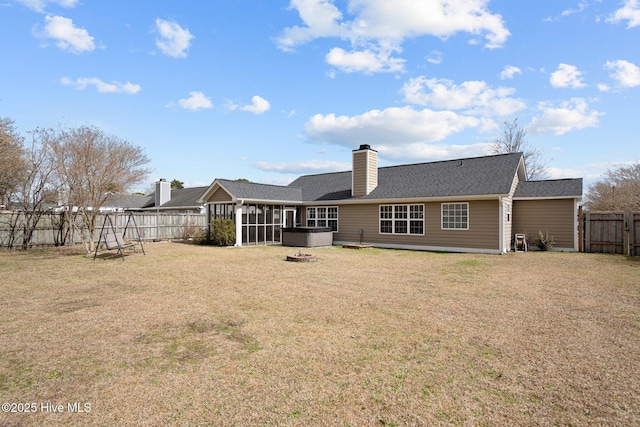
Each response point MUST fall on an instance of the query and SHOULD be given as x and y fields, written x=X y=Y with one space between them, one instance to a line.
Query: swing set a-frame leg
x=100 y=238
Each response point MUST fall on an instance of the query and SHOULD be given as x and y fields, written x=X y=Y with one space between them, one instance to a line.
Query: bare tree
x=619 y=190
x=92 y=165
x=12 y=165
x=37 y=183
x=513 y=139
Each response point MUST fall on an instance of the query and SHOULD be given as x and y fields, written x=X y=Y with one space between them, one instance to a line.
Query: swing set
x=114 y=239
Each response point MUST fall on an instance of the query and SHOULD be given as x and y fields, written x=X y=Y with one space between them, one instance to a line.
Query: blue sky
x=270 y=90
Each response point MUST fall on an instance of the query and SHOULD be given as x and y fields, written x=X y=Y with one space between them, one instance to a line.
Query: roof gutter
x=368 y=201
x=548 y=198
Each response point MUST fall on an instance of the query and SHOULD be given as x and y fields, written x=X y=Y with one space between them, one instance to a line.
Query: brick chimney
x=163 y=192
x=365 y=171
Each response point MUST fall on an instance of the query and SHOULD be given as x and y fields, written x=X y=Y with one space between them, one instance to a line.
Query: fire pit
x=300 y=257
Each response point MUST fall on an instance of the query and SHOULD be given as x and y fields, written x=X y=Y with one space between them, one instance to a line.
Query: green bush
x=223 y=232
x=545 y=242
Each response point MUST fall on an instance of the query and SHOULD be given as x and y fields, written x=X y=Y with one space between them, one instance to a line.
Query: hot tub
x=307 y=237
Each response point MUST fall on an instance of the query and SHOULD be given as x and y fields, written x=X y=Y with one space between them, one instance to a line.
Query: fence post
x=626 y=225
x=580 y=229
x=587 y=232
x=632 y=235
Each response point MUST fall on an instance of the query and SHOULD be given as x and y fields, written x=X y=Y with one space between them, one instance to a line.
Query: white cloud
x=629 y=12
x=365 y=61
x=229 y=105
x=40 y=5
x=570 y=115
x=67 y=36
x=258 y=105
x=509 y=71
x=392 y=126
x=430 y=152
x=174 y=40
x=472 y=97
x=626 y=73
x=567 y=76
x=558 y=173
x=435 y=58
x=379 y=27
x=196 y=101
x=581 y=7
x=310 y=166
x=102 y=87
x=321 y=20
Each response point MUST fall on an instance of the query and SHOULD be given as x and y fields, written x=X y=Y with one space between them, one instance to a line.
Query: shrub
x=188 y=231
x=545 y=242
x=223 y=232
x=200 y=237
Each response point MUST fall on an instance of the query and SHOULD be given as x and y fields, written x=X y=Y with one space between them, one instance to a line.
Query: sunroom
x=259 y=211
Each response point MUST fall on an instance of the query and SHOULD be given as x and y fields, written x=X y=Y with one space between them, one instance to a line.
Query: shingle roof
x=185 y=197
x=254 y=191
x=476 y=176
x=549 y=188
x=180 y=198
x=125 y=201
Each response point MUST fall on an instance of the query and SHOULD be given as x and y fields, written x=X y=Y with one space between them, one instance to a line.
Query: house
x=168 y=200
x=466 y=205
x=123 y=202
x=163 y=199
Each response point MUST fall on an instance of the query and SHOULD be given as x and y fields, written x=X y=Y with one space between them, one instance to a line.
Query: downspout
x=501 y=227
x=576 y=224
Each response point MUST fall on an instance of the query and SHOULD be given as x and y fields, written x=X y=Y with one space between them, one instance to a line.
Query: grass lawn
x=190 y=335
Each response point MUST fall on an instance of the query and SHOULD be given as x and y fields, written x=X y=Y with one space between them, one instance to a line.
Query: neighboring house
x=184 y=200
x=123 y=202
x=464 y=205
x=164 y=199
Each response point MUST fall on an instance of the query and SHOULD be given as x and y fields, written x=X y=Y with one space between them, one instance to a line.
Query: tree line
x=78 y=168
x=618 y=190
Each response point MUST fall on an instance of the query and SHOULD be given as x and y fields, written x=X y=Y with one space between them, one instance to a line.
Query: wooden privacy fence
x=612 y=232
x=52 y=229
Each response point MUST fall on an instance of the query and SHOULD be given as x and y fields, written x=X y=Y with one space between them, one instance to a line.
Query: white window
x=323 y=216
x=455 y=216
x=402 y=219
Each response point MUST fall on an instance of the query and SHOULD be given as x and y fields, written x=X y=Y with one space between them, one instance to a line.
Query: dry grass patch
x=237 y=336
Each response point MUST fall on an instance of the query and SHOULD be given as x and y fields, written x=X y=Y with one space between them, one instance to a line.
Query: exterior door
x=289 y=218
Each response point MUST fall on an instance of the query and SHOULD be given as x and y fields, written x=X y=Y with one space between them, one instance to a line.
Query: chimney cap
x=365 y=147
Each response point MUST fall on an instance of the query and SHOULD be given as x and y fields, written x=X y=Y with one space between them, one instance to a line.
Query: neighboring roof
x=254 y=191
x=185 y=197
x=125 y=201
x=552 y=188
x=475 y=176
x=180 y=198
